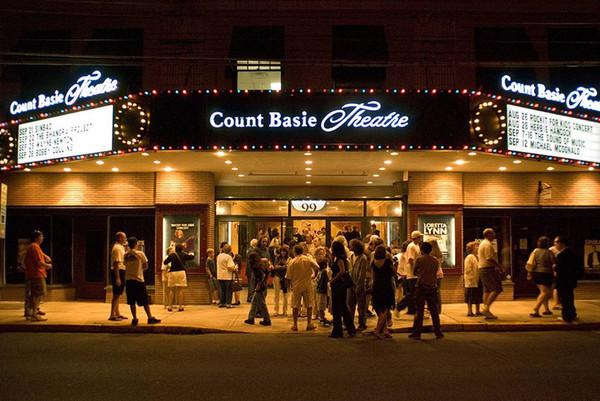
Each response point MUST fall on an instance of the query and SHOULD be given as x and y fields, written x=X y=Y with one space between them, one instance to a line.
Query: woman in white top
x=540 y=269
x=473 y=287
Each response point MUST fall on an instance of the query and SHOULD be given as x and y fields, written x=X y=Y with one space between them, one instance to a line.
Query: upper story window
x=509 y=48
x=574 y=45
x=360 y=55
x=257 y=52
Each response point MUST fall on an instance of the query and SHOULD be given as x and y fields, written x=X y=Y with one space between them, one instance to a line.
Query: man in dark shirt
x=568 y=270
x=426 y=267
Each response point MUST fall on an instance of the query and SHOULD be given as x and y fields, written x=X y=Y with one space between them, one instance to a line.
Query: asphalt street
x=462 y=366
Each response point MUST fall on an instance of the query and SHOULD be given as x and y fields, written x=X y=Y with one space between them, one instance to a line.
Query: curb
x=185 y=330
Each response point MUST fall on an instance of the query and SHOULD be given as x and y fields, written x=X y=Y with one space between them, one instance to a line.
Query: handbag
x=346 y=280
x=235 y=283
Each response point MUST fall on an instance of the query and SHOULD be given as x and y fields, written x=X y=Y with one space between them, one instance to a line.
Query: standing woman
x=357 y=295
x=383 y=290
x=540 y=270
x=176 y=277
x=437 y=253
x=473 y=287
x=279 y=284
x=339 y=285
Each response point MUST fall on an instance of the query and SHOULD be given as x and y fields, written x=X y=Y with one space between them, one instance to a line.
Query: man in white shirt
x=413 y=251
x=117 y=275
x=299 y=273
x=135 y=263
x=489 y=268
x=225 y=269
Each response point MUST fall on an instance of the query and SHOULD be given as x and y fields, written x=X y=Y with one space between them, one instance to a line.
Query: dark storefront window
x=359 y=56
x=572 y=45
x=141 y=227
x=503 y=45
x=257 y=51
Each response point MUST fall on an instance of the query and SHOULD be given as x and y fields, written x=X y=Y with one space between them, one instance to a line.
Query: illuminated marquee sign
x=74 y=134
x=308 y=206
x=351 y=115
x=538 y=132
x=581 y=97
x=84 y=87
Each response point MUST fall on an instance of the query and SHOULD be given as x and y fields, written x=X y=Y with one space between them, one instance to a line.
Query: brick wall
x=507 y=190
x=435 y=188
x=113 y=190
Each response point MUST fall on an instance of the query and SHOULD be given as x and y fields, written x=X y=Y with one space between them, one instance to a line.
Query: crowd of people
x=356 y=277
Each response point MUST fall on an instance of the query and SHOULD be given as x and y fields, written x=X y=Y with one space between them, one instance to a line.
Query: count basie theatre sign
x=313 y=119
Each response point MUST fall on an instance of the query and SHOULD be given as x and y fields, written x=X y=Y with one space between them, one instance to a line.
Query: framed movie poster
x=440 y=227
x=183 y=230
x=591 y=258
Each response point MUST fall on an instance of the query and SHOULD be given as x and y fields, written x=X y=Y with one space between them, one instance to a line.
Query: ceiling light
x=308 y=162
x=145 y=154
x=115 y=169
x=448 y=168
x=67 y=169
x=550 y=168
x=307 y=154
x=308 y=175
x=241 y=175
x=375 y=175
x=234 y=169
x=472 y=153
x=28 y=169
x=502 y=168
x=308 y=168
x=99 y=162
x=459 y=162
x=387 y=162
x=369 y=182
x=228 y=162
x=307 y=182
x=156 y=162
x=590 y=169
x=168 y=169
x=220 y=153
x=394 y=153
x=381 y=168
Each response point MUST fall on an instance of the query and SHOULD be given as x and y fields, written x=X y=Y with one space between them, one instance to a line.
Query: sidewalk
x=198 y=319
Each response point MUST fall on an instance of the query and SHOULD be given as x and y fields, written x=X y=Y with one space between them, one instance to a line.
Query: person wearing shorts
x=176 y=277
x=117 y=275
x=135 y=264
x=488 y=272
x=300 y=271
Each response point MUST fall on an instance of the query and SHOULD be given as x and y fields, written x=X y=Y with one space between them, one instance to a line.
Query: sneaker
x=249 y=321
x=535 y=314
x=153 y=320
x=40 y=312
x=221 y=305
x=134 y=322
x=180 y=309
x=265 y=323
x=229 y=306
x=37 y=318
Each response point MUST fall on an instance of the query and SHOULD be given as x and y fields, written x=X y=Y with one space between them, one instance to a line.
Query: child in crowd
x=473 y=287
x=323 y=277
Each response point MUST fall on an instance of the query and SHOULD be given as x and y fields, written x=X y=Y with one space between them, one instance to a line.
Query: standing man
x=489 y=269
x=117 y=275
x=225 y=269
x=568 y=269
x=135 y=264
x=426 y=267
x=299 y=274
x=413 y=251
x=36 y=264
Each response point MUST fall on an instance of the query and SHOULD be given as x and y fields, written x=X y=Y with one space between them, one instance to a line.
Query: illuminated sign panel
x=541 y=133
x=581 y=97
x=308 y=205
x=83 y=88
x=74 y=134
